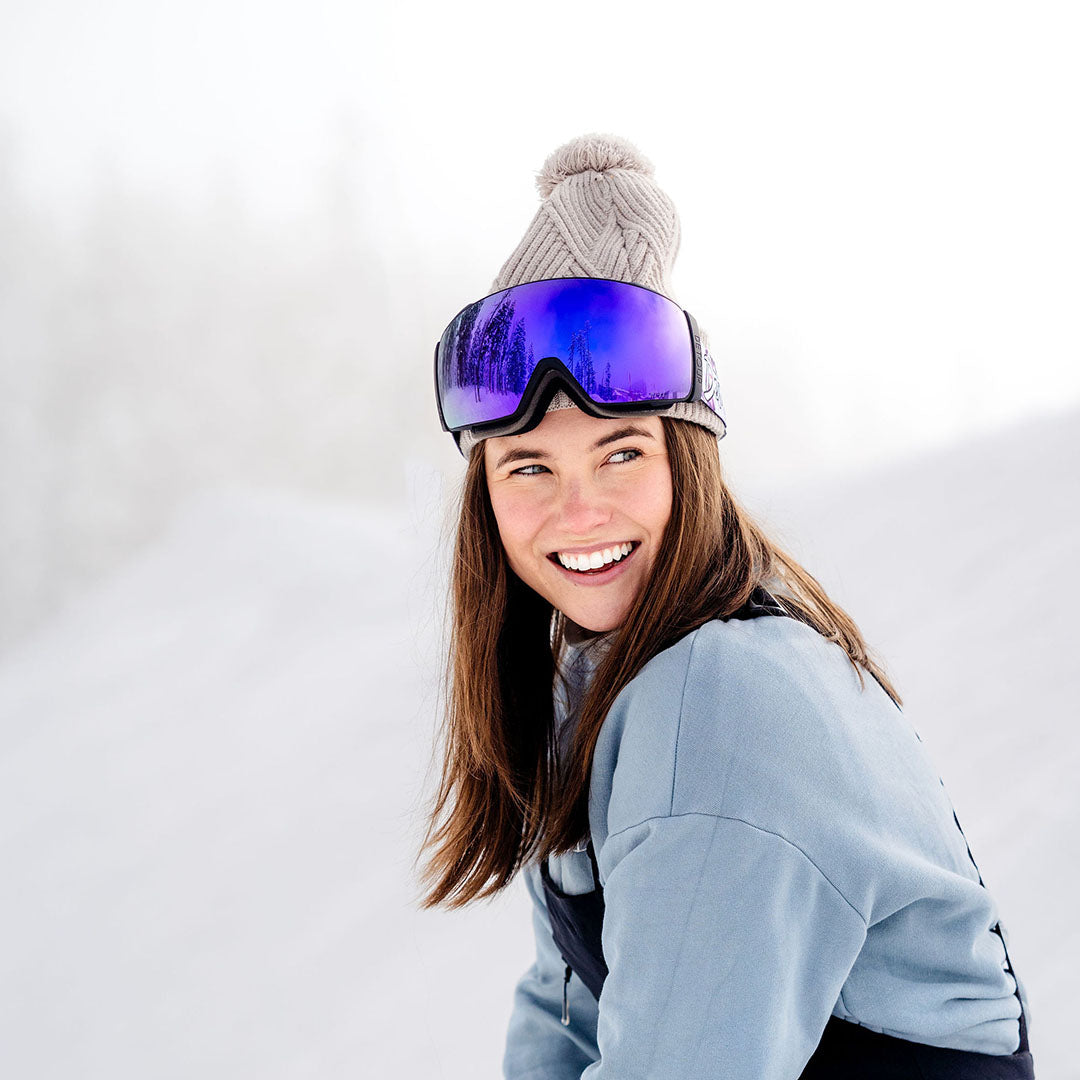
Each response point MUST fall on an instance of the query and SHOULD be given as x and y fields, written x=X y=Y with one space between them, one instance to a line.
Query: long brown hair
x=504 y=797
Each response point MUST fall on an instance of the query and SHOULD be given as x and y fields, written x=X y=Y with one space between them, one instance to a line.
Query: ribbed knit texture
x=602 y=216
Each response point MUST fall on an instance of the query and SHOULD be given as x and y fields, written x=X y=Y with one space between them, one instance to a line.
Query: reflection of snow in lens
x=460 y=405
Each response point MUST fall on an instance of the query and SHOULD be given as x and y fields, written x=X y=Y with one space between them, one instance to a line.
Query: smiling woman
x=740 y=858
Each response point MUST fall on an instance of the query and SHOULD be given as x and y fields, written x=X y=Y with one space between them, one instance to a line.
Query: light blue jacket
x=775 y=846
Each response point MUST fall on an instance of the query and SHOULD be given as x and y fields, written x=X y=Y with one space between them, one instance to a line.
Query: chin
x=589 y=618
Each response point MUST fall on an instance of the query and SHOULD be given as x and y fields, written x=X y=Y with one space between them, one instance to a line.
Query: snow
x=213 y=765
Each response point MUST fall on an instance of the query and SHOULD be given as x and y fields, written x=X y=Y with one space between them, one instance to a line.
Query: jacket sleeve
x=538 y=1045
x=727 y=949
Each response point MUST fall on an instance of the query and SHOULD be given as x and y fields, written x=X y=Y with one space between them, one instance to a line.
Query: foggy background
x=230 y=235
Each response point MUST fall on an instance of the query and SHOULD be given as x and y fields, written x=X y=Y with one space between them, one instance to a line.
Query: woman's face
x=582 y=487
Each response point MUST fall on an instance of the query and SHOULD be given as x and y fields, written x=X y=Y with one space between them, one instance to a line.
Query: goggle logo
x=710 y=383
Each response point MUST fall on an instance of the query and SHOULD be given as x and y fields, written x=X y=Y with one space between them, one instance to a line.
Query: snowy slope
x=211 y=771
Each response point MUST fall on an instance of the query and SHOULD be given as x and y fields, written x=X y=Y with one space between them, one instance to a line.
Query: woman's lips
x=596 y=577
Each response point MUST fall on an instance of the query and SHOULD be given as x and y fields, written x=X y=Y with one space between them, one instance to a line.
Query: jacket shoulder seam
x=757 y=828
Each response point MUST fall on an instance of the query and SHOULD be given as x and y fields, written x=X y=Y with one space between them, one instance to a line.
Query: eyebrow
x=520 y=453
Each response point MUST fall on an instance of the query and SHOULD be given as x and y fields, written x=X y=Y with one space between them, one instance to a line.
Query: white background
x=230 y=235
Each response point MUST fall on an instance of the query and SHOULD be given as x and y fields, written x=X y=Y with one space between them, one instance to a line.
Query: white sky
x=878 y=202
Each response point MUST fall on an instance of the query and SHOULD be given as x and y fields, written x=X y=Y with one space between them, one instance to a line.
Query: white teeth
x=595 y=559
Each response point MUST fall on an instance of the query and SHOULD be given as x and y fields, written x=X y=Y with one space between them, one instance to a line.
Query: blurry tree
x=150 y=349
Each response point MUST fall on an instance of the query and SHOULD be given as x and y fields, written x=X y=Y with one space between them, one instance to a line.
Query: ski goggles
x=615 y=348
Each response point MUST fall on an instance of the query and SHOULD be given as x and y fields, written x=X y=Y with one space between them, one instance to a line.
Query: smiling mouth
x=584 y=564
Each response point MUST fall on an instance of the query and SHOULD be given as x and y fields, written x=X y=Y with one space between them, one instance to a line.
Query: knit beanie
x=602 y=215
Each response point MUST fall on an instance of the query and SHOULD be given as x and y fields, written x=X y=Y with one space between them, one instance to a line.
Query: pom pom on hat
x=602 y=216
x=590 y=153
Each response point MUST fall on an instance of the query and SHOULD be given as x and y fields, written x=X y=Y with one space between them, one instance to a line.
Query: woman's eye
x=619 y=457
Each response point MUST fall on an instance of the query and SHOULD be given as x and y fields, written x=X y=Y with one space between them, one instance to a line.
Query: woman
x=741 y=861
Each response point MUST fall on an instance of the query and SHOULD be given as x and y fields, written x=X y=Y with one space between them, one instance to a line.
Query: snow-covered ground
x=212 y=770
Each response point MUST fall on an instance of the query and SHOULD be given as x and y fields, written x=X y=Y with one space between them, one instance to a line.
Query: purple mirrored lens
x=621 y=342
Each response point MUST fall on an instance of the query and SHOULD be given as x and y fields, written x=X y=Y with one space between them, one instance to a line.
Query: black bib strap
x=576 y=924
x=760 y=602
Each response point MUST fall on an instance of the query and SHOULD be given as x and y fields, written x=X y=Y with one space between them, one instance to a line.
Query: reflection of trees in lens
x=473 y=363
x=604 y=389
x=587 y=368
x=482 y=353
x=515 y=361
x=489 y=354
x=579 y=359
x=460 y=349
x=498 y=334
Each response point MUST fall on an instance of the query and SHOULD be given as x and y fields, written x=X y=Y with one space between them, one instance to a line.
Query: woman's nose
x=583 y=508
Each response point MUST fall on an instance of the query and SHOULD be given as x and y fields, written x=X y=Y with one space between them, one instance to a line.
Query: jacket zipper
x=565 y=1003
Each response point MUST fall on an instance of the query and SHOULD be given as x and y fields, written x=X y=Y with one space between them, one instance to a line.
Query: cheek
x=664 y=505
x=518 y=523
x=652 y=502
